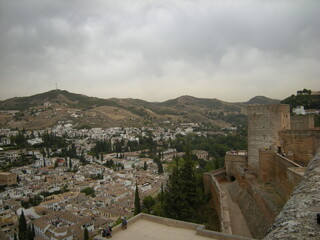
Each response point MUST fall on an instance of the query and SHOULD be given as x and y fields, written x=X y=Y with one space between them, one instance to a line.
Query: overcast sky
x=159 y=50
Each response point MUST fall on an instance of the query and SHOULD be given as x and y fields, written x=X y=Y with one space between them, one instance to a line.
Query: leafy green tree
x=137 y=204
x=181 y=198
x=25 y=204
x=148 y=202
x=88 y=191
x=35 y=201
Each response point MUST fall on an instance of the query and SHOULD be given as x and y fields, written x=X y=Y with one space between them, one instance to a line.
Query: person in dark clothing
x=107 y=232
x=124 y=223
x=110 y=230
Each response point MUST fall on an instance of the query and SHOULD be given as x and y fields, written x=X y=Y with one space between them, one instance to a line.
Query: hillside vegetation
x=304 y=99
x=49 y=108
x=55 y=96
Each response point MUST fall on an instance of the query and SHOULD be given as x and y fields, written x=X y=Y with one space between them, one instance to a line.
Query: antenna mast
x=56 y=86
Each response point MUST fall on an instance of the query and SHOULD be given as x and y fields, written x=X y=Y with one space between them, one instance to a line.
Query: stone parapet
x=219 y=198
x=303 y=144
x=298 y=218
x=302 y=122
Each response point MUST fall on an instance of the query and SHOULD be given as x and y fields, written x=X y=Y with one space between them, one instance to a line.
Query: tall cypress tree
x=161 y=194
x=33 y=232
x=145 y=167
x=29 y=233
x=22 y=227
x=137 y=205
x=70 y=163
x=85 y=234
x=160 y=167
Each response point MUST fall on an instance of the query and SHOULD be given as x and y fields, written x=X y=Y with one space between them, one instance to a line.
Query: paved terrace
x=148 y=227
x=147 y=230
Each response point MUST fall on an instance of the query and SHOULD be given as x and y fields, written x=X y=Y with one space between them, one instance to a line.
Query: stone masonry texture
x=298 y=218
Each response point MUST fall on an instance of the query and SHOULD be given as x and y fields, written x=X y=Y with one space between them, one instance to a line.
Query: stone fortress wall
x=282 y=172
x=302 y=122
x=300 y=144
x=298 y=218
x=234 y=159
x=211 y=183
x=264 y=123
x=279 y=149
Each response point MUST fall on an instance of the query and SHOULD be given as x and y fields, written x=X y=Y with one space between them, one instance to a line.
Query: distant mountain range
x=49 y=108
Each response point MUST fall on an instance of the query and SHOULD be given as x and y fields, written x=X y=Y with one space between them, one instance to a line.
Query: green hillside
x=303 y=99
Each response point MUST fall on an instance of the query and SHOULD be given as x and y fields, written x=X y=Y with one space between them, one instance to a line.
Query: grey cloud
x=128 y=48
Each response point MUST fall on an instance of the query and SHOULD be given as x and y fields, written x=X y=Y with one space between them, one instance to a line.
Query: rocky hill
x=49 y=108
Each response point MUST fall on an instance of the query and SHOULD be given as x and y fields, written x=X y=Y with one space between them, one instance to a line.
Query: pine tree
x=85 y=234
x=189 y=185
x=173 y=198
x=181 y=197
x=137 y=205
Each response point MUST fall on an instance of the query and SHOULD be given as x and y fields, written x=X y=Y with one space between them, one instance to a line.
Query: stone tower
x=264 y=123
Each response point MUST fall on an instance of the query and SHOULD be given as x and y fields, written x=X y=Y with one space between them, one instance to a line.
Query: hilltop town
x=93 y=189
